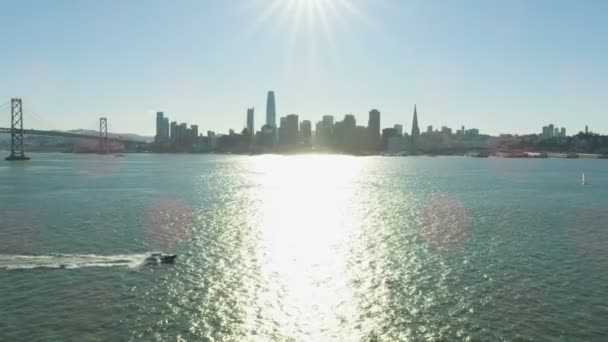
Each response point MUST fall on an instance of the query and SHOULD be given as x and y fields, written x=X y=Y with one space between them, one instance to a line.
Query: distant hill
x=128 y=136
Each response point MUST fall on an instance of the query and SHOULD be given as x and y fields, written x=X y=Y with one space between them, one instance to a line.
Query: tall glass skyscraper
x=162 y=128
x=250 y=125
x=271 y=110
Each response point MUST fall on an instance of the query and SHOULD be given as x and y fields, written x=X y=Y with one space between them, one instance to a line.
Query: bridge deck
x=70 y=135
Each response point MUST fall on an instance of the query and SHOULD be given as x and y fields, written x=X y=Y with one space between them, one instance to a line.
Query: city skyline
x=349 y=136
x=505 y=67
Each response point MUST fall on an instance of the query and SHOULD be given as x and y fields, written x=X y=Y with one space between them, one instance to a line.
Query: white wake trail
x=70 y=261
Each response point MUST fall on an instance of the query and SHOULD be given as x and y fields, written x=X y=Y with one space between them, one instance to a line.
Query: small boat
x=160 y=258
x=119 y=155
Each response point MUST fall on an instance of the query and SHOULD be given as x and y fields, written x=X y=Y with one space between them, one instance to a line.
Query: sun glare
x=308 y=24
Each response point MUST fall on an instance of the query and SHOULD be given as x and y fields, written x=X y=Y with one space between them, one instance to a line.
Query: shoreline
x=504 y=155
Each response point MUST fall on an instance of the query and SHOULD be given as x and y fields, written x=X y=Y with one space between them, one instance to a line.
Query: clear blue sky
x=501 y=66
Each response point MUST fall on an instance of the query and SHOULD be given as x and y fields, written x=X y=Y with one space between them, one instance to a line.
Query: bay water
x=303 y=248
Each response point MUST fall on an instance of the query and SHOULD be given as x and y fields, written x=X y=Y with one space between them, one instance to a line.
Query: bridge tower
x=103 y=135
x=17 y=152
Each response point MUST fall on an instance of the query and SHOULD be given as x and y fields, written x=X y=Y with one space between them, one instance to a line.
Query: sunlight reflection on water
x=305 y=230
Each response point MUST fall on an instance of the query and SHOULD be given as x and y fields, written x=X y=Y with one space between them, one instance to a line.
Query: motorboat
x=160 y=258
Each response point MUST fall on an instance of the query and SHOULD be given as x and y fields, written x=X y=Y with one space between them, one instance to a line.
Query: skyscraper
x=173 y=132
x=344 y=132
x=325 y=130
x=165 y=130
x=399 y=129
x=373 y=126
x=250 y=126
x=306 y=133
x=415 y=128
x=271 y=110
x=194 y=131
x=291 y=129
x=160 y=120
x=349 y=121
x=306 y=130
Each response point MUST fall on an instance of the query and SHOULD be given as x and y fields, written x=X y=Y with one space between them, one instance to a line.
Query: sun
x=307 y=21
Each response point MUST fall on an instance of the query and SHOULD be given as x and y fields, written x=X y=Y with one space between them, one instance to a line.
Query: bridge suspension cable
x=5 y=113
x=31 y=113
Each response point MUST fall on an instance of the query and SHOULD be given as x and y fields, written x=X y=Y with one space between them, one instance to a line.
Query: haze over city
x=503 y=67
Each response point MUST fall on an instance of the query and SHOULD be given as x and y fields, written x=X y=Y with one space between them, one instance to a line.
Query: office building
x=162 y=128
x=387 y=133
x=306 y=132
x=361 y=139
x=159 y=125
x=282 y=131
x=399 y=129
x=182 y=133
x=349 y=121
x=271 y=110
x=194 y=132
x=472 y=132
x=324 y=131
x=250 y=123
x=373 y=126
x=550 y=131
x=395 y=144
x=267 y=138
x=415 y=129
x=173 y=131
x=166 y=129
x=344 y=133
x=291 y=130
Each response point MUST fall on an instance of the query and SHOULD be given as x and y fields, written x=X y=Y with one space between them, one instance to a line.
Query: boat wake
x=69 y=261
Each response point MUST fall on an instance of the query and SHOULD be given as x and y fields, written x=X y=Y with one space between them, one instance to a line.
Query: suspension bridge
x=17 y=132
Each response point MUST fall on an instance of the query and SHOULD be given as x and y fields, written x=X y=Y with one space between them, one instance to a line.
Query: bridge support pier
x=17 y=152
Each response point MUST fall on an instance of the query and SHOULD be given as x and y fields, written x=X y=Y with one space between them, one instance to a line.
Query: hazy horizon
x=502 y=67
